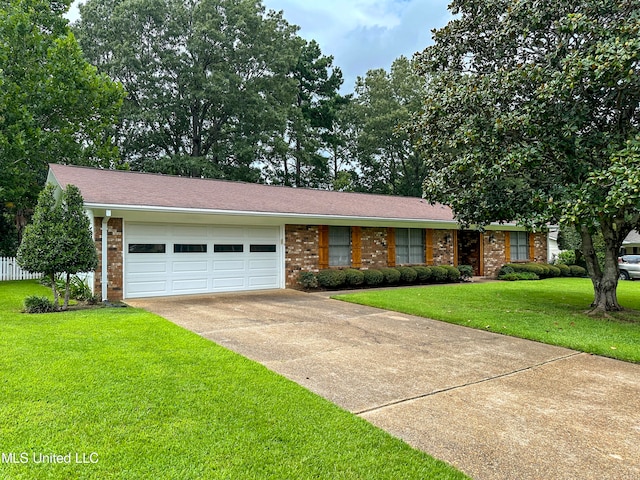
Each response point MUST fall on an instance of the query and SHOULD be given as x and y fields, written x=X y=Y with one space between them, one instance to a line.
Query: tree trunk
x=54 y=289
x=604 y=279
x=65 y=305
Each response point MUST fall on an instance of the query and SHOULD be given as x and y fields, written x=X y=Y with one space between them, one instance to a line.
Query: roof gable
x=111 y=188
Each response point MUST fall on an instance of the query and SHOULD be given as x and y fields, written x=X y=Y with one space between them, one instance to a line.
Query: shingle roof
x=123 y=188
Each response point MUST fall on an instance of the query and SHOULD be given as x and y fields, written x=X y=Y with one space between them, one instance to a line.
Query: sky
x=361 y=35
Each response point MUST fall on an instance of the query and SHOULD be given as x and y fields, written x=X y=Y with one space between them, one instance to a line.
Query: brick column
x=115 y=257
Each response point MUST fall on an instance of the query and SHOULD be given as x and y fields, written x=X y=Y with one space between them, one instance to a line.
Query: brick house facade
x=176 y=236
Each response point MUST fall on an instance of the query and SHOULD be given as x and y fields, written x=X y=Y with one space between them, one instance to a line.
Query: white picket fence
x=10 y=270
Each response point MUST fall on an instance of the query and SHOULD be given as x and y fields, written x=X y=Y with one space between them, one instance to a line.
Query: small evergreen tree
x=42 y=240
x=79 y=251
x=59 y=240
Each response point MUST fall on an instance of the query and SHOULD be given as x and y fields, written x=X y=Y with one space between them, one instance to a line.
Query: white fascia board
x=298 y=217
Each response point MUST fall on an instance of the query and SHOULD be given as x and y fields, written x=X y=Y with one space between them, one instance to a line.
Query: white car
x=629 y=266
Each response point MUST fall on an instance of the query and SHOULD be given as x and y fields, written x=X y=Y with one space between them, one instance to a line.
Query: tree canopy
x=532 y=115
x=54 y=106
x=208 y=81
x=59 y=239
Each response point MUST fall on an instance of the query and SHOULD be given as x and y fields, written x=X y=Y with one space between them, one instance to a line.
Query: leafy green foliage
x=438 y=274
x=307 y=280
x=391 y=275
x=38 y=304
x=424 y=274
x=373 y=277
x=209 y=82
x=532 y=115
x=453 y=274
x=331 y=278
x=382 y=107
x=353 y=277
x=59 y=239
x=42 y=243
x=54 y=106
x=466 y=272
x=407 y=274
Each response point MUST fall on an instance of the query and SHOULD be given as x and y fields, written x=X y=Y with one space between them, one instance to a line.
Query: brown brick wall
x=540 y=248
x=442 y=247
x=115 y=257
x=374 y=247
x=494 y=252
x=301 y=251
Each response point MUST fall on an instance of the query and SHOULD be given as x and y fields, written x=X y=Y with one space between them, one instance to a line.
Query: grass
x=151 y=400
x=550 y=311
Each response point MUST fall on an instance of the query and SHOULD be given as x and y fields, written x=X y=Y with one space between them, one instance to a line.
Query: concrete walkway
x=493 y=406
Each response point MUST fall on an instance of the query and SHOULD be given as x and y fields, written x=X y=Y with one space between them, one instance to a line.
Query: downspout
x=105 y=231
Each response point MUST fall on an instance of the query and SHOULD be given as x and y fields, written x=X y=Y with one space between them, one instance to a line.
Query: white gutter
x=105 y=263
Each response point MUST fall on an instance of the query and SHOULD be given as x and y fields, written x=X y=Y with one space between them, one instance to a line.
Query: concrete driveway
x=495 y=407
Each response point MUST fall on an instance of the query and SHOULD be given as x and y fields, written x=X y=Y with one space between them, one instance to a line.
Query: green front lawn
x=549 y=311
x=142 y=398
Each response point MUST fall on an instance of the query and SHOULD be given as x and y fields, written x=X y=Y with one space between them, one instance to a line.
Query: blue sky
x=362 y=34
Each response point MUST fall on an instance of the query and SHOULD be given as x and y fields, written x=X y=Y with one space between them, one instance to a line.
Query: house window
x=147 y=248
x=410 y=246
x=189 y=248
x=519 y=246
x=339 y=246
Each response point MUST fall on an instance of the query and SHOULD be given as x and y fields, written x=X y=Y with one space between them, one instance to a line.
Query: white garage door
x=185 y=259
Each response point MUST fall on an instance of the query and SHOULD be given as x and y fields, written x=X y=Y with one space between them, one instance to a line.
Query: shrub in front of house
x=407 y=274
x=373 y=277
x=577 y=271
x=307 y=280
x=542 y=270
x=453 y=274
x=466 y=272
x=36 y=304
x=331 y=278
x=513 y=276
x=438 y=274
x=423 y=274
x=353 y=277
x=565 y=271
x=391 y=275
x=554 y=271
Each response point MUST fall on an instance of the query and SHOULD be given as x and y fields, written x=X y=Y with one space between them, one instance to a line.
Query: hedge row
x=535 y=271
x=350 y=277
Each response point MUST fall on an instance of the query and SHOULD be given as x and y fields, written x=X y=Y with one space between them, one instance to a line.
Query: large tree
x=383 y=106
x=54 y=106
x=207 y=80
x=299 y=157
x=532 y=115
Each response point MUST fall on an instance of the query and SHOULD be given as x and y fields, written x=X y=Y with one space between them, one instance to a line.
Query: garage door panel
x=147 y=267
x=228 y=265
x=262 y=282
x=187 y=267
x=147 y=288
x=190 y=285
x=200 y=259
x=263 y=264
x=222 y=283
